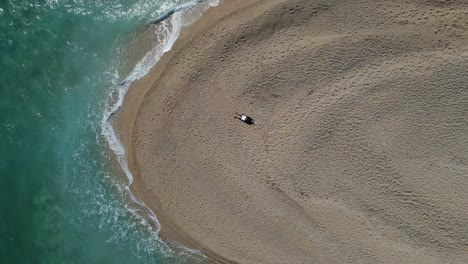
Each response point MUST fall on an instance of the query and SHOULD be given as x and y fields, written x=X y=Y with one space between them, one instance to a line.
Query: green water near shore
x=58 y=202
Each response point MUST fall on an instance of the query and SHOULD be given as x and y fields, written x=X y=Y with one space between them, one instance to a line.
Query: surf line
x=147 y=216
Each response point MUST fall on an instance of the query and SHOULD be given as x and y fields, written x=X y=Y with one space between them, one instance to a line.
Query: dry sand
x=359 y=152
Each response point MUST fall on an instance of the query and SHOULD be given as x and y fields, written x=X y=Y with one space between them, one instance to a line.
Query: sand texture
x=359 y=152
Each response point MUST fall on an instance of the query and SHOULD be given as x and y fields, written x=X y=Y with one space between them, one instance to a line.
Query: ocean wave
x=169 y=23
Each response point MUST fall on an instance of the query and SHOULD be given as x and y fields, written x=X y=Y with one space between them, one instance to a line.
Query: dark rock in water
x=171 y=11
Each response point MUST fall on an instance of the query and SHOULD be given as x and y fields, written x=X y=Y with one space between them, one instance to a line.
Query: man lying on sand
x=244 y=118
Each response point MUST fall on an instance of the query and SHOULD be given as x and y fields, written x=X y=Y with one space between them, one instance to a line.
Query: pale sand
x=359 y=152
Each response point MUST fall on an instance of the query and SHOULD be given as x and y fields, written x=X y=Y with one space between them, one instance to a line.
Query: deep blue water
x=59 y=61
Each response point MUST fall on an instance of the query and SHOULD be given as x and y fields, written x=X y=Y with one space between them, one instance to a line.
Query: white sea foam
x=167 y=32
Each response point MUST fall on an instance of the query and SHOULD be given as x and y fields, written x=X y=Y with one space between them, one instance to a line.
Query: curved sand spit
x=359 y=153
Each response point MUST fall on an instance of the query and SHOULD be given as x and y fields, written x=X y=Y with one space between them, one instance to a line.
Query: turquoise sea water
x=60 y=64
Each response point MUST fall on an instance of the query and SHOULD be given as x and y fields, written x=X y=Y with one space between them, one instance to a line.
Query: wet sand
x=359 y=152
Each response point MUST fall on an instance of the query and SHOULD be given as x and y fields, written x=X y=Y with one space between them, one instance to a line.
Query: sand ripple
x=359 y=153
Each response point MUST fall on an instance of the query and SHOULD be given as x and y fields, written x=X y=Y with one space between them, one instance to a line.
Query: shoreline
x=135 y=95
x=327 y=137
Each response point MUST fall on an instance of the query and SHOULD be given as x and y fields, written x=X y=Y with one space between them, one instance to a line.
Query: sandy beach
x=359 y=151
